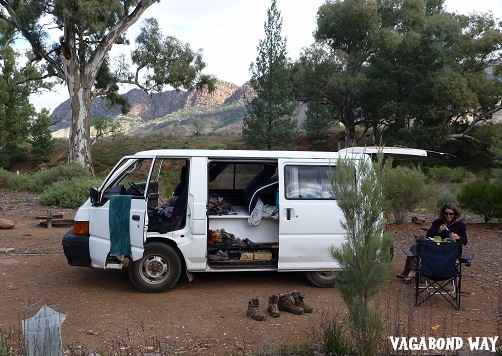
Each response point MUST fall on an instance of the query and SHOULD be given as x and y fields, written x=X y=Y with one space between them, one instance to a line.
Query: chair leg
x=417 y=282
x=459 y=288
x=433 y=287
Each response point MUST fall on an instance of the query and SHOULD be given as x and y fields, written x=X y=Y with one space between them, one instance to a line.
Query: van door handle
x=288 y=213
x=136 y=217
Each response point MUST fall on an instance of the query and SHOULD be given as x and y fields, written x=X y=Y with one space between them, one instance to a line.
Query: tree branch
x=481 y=117
x=31 y=79
x=37 y=48
x=99 y=54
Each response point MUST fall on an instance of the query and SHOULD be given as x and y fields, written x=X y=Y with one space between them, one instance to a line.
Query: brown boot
x=285 y=304
x=299 y=302
x=273 y=308
x=254 y=310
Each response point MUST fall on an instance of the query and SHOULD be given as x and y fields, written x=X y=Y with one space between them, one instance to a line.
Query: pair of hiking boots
x=289 y=302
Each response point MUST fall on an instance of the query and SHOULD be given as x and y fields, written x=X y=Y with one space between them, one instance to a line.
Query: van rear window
x=308 y=182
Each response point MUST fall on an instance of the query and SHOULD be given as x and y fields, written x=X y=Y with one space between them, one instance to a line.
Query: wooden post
x=49 y=218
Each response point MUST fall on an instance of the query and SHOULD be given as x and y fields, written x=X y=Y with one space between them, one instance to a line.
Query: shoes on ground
x=273 y=307
x=254 y=310
x=298 y=299
x=286 y=303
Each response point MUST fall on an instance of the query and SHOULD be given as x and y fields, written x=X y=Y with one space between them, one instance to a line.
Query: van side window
x=308 y=182
x=233 y=175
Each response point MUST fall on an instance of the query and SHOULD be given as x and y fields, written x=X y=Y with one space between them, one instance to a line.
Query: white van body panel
x=308 y=228
x=307 y=225
x=99 y=230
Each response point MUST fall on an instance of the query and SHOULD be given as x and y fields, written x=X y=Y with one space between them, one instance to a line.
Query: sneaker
x=299 y=302
x=218 y=256
x=250 y=244
x=237 y=242
x=286 y=304
x=254 y=310
x=273 y=308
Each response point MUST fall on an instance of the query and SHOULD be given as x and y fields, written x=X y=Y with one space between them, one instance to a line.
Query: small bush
x=44 y=178
x=19 y=182
x=404 y=188
x=497 y=174
x=448 y=196
x=217 y=146
x=482 y=197
x=70 y=193
x=5 y=177
x=336 y=339
x=446 y=174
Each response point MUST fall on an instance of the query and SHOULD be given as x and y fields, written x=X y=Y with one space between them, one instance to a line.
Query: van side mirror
x=94 y=195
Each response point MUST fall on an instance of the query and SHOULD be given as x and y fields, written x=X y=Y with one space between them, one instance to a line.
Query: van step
x=233 y=263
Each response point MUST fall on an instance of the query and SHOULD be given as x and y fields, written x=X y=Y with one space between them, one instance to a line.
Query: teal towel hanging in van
x=119 y=216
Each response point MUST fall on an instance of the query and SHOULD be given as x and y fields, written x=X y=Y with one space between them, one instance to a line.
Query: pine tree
x=364 y=257
x=269 y=122
x=318 y=121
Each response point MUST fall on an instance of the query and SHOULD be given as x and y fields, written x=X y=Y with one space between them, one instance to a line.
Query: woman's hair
x=457 y=212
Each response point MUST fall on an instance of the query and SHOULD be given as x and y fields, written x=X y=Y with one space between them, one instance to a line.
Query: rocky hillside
x=221 y=110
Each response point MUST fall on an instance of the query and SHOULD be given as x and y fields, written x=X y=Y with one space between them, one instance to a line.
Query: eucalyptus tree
x=427 y=80
x=74 y=39
x=348 y=31
x=407 y=69
x=269 y=121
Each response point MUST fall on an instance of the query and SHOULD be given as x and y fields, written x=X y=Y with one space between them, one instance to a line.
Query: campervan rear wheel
x=158 y=270
x=322 y=279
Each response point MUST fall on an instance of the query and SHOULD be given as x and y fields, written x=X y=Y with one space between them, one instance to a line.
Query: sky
x=228 y=32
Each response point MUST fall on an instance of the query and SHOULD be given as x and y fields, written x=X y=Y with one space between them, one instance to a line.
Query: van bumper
x=76 y=249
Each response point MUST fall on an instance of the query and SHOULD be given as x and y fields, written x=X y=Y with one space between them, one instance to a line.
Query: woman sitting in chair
x=447 y=225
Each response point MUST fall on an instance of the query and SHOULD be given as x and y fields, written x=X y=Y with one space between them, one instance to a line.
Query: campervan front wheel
x=158 y=270
x=322 y=279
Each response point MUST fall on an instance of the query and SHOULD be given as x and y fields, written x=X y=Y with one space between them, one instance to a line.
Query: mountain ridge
x=221 y=110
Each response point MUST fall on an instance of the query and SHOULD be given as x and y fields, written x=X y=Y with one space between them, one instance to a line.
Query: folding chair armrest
x=466 y=258
x=408 y=253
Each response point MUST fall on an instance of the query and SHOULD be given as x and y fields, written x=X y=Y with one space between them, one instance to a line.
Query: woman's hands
x=454 y=236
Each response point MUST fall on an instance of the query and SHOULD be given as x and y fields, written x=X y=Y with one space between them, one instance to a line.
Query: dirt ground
x=105 y=314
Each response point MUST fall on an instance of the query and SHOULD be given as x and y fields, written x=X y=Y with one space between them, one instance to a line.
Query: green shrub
x=45 y=177
x=446 y=174
x=448 y=196
x=336 y=339
x=217 y=146
x=482 y=197
x=404 y=188
x=364 y=256
x=497 y=174
x=5 y=176
x=19 y=182
x=70 y=193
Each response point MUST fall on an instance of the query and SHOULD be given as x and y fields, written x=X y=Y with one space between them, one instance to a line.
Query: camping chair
x=439 y=270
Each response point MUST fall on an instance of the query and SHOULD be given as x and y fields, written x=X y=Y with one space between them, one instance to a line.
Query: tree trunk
x=79 y=144
x=79 y=89
x=350 y=136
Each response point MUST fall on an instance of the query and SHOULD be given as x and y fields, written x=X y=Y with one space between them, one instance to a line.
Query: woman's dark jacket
x=456 y=226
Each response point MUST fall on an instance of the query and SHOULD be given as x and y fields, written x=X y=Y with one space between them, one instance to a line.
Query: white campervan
x=167 y=211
